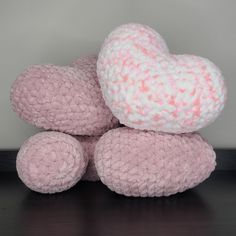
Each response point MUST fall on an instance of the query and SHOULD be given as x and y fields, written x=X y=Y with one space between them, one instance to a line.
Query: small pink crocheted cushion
x=146 y=163
x=50 y=162
x=88 y=143
x=64 y=99
x=149 y=89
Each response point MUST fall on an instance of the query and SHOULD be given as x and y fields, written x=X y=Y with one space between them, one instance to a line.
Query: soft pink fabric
x=50 y=162
x=145 y=163
x=88 y=143
x=130 y=162
x=88 y=65
x=149 y=89
x=66 y=99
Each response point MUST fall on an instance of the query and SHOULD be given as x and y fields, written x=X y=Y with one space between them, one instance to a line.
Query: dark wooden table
x=92 y=209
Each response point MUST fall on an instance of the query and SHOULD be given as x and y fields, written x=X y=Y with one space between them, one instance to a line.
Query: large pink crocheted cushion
x=145 y=163
x=149 y=89
x=66 y=99
x=50 y=162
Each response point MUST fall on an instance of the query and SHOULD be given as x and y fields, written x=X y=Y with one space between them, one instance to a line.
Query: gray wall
x=53 y=31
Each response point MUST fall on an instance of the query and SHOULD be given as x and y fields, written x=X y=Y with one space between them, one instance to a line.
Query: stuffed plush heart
x=51 y=162
x=149 y=89
x=145 y=163
x=63 y=98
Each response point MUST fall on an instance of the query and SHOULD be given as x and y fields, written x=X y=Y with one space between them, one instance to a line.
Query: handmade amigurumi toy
x=65 y=99
x=146 y=88
x=166 y=98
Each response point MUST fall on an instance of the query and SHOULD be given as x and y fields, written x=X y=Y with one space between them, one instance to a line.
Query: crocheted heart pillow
x=145 y=163
x=148 y=88
x=63 y=98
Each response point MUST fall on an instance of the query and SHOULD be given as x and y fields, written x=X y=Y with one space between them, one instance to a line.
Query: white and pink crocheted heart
x=148 y=88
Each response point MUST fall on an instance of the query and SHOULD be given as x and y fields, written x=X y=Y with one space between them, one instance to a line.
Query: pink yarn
x=64 y=99
x=130 y=162
x=88 y=143
x=149 y=89
x=146 y=88
x=88 y=65
x=145 y=163
x=50 y=162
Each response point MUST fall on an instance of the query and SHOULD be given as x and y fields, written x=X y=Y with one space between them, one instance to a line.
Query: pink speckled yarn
x=149 y=89
x=66 y=99
x=88 y=143
x=145 y=163
x=50 y=162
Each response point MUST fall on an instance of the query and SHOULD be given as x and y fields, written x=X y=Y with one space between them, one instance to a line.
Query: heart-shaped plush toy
x=63 y=98
x=149 y=89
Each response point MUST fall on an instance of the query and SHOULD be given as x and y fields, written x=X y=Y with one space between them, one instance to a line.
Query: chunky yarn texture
x=145 y=163
x=50 y=162
x=148 y=88
x=88 y=143
x=66 y=99
x=162 y=98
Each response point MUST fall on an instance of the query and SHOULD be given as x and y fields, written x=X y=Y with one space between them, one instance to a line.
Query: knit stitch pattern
x=145 y=163
x=51 y=162
x=148 y=88
x=66 y=99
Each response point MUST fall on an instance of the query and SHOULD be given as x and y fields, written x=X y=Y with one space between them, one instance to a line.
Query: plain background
x=54 y=31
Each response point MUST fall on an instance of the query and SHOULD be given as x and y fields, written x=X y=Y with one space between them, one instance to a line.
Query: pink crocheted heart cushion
x=63 y=98
x=146 y=163
x=149 y=89
x=51 y=162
